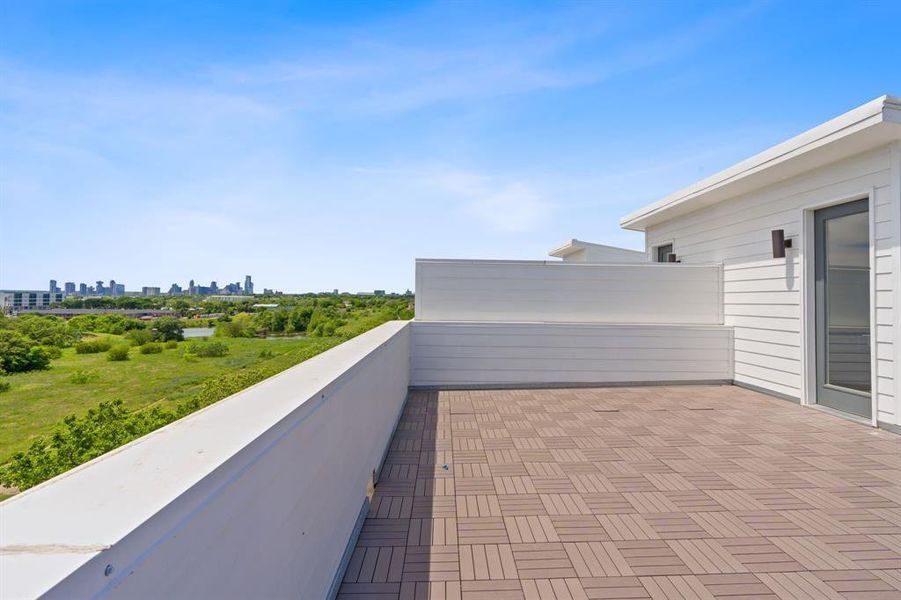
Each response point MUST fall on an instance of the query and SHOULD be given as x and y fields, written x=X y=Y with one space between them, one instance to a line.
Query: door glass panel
x=848 y=301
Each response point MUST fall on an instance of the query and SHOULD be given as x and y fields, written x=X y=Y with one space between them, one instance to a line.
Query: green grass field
x=37 y=401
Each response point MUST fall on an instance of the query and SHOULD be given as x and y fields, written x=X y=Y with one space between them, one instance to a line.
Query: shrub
x=114 y=324
x=19 y=353
x=266 y=353
x=169 y=328
x=190 y=357
x=117 y=353
x=139 y=337
x=93 y=346
x=207 y=349
x=151 y=348
x=4 y=386
x=81 y=376
x=53 y=351
x=45 y=330
x=171 y=344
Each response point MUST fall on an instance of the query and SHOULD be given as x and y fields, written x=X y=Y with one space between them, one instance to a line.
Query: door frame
x=807 y=260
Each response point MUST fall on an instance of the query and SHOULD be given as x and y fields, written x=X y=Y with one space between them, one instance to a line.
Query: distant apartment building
x=16 y=300
x=69 y=288
x=150 y=291
x=83 y=289
x=248 y=285
x=174 y=290
x=53 y=288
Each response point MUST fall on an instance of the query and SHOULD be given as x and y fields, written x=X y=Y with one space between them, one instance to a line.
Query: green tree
x=241 y=325
x=168 y=328
x=299 y=319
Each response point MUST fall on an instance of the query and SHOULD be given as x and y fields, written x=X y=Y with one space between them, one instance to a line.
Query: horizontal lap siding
x=458 y=354
x=524 y=291
x=762 y=295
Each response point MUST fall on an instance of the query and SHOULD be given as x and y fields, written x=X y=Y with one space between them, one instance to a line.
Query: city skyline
x=114 y=288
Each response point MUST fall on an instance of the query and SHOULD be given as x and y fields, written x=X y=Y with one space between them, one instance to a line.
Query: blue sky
x=323 y=145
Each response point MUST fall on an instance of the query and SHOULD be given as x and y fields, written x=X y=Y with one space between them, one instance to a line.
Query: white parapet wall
x=480 y=354
x=555 y=292
x=255 y=496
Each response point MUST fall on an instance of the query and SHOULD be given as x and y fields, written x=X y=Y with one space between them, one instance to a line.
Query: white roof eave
x=869 y=126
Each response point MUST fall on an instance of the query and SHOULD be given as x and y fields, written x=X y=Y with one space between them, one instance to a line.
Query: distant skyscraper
x=192 y=289
x=119 y=289
x=248 y=285
x=70 y=288
x=175 y=290
x=53 y=287
x=82 y=289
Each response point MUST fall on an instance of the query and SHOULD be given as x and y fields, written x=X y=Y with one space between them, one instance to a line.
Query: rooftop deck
x=640 y=492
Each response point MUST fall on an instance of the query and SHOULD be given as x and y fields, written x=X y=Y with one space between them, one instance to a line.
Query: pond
x=198 y=332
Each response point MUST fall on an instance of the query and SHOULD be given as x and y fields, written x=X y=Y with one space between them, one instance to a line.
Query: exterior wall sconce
x=780 y=243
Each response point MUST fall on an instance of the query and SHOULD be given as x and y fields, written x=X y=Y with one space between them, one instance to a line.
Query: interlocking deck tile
x=492 y=590
x=487 y=562
x=578 y=528
x=658 y=492
x=542 y=561
x=432 y=563
x=553 y=589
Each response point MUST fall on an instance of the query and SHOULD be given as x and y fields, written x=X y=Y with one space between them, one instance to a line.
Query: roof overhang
x=867 y=127
x=572 y=246
x=567 y=248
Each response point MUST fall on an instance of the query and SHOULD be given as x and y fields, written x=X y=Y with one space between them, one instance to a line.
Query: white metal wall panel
x=464 y=354
x=535 y=291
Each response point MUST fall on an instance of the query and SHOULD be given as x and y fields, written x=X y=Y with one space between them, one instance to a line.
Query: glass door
x=843 y=307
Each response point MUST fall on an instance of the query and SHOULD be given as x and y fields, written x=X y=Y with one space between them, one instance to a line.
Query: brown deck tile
x=431 y=563
x=542 y=561
x=656 y=492
x=530 y=529
x=553 y=589
x=487 y=562
x=429 y=590
x=579 y=528
x=651 y=557
x=858 y=584
x=614 y=588
x=736 y=586
x=492 y=590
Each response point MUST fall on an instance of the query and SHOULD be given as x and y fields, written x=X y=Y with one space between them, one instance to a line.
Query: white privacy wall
x=762 y=295
x=509 y=323
x=255 y=496
x=556 y=292
x=459 y=355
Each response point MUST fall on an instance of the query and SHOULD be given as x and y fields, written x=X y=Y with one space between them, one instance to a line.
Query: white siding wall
x=554 y=292
x=467 y=354
x=762 y=296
